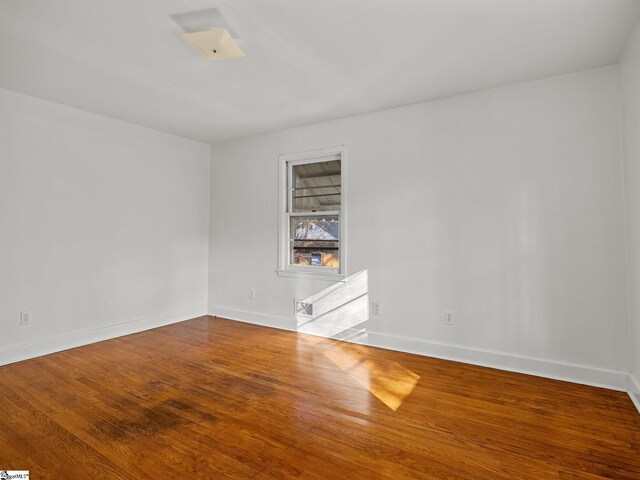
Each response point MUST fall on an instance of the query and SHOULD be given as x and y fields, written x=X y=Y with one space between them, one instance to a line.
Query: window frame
x=286 y=163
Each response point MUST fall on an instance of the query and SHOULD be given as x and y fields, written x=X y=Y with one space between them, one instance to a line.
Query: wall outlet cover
x=449 y=318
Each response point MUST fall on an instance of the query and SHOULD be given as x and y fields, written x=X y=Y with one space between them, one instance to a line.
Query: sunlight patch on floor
x=341 y=312
x=391 y=383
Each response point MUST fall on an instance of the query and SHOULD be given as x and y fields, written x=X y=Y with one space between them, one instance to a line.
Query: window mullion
x=324 y=213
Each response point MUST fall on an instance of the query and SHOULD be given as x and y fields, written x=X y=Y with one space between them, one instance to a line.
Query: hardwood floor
x=211 y=398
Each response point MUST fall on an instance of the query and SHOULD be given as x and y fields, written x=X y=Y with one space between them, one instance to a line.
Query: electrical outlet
x=252 y=293
x=375 y=308
x=25 y=318
x=449 y=318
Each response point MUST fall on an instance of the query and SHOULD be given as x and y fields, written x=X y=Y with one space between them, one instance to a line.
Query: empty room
x=336 y=240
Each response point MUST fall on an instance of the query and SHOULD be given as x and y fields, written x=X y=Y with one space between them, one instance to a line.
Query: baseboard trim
x=255 y=318
x=634 y=390
x=38 y=348
x=586 y=375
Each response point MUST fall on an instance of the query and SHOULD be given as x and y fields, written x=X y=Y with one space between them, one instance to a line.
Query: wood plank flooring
x=216 y=399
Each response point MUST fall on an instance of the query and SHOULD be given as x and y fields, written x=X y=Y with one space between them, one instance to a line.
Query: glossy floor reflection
x=341 y=311
x=391 y=383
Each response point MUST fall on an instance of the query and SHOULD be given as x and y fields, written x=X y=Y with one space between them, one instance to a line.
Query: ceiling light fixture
x=214 y=44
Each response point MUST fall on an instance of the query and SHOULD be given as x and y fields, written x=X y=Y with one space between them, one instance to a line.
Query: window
x=312 y=213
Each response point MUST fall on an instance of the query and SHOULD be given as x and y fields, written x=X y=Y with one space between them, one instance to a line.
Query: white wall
x=103 y=226
x=505 y=206
x=630 y=76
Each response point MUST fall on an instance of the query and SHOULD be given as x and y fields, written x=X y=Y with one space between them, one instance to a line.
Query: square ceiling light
x=214 y=44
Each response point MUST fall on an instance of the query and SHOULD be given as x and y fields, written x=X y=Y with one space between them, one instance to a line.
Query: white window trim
x=320 y=273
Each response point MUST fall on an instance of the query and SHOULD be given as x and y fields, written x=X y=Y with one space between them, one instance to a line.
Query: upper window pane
x=316 y=187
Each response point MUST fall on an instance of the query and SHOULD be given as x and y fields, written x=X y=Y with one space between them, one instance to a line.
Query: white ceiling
x=307 y=61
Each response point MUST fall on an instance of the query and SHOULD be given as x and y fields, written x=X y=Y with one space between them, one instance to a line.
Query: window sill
x=335 y=277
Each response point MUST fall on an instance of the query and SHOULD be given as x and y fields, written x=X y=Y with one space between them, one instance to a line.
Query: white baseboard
x=582 y=374
x=255 y=318
x=25 y=351
x=634 y=390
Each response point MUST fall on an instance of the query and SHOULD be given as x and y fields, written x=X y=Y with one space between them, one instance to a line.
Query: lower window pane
x=316 y=227
x=315 y=241
x=317 y=254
